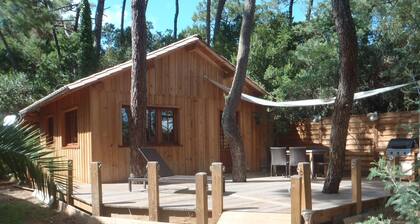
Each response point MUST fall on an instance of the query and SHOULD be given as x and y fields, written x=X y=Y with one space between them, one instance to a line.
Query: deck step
x=229 y=217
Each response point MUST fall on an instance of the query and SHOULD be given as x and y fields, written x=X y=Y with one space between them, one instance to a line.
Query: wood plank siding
x=176 y=79
x=80 y=153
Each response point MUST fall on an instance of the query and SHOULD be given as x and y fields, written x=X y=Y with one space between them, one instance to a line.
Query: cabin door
x=225 y=156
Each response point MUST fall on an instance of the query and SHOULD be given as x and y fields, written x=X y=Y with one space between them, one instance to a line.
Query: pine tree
x=232 y=101
x=87 y=62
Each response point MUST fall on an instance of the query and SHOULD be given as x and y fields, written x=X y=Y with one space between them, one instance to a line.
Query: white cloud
x=112 y=15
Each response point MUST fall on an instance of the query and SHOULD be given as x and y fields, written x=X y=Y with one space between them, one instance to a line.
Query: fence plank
x=356 y=184
x=96 y=186
x=216 y=190
x=201 y=209
x=153 y=190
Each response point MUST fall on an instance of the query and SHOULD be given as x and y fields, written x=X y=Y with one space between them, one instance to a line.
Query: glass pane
x=151 y=125
x=125 y=110
x=71 y=127
x=168 y=133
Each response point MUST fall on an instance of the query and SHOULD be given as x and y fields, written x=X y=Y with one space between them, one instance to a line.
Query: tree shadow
x=19 y=206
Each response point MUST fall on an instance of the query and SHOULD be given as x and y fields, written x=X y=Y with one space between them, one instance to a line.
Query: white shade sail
x=311 y=102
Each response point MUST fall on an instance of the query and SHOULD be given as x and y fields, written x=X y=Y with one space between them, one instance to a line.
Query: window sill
x=154 y=145
x=123 y=146
x=71 y=146
x=164 y=145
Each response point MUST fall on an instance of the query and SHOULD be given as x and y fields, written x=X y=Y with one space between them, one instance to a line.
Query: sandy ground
x=18 y=206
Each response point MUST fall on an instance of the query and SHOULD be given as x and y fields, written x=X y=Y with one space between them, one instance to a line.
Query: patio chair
x=278 y=158
x=165 y=173
x=320 y=165
x=297 y=155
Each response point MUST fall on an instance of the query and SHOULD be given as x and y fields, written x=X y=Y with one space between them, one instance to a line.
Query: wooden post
x=69 y=193
x=305 y=172
x=153 y=190
x=307 y=216
x=96 y=185
x=356 y=184
x=201 y=209
x=216 y=190
x=296 y=201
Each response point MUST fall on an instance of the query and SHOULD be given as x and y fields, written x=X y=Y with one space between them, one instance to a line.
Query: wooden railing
x=201 y=211
x=302 y=210
x=301 y=195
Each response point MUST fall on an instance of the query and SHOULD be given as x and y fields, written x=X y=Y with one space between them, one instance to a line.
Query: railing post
x=201 y=207
x=296 y=200
x=356 y=184
x=96 y=185
x=216 y=190
x=153 y=190
x=305 y=171
x=69 y=192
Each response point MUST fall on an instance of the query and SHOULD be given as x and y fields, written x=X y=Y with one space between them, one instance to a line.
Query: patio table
x=311 y=152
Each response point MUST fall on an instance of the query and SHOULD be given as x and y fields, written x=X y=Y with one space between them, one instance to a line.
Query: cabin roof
x=192 y=41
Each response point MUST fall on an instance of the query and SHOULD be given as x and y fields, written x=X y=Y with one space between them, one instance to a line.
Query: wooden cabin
x=87 y=120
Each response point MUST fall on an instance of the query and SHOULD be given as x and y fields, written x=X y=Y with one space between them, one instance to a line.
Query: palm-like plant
x=24 y=156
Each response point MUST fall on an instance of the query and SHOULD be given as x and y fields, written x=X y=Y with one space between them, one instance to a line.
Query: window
x=50 y=131
x=70 y=128
x=125 y=110
x=151 y=123
x=168 y=129
x=161 y=124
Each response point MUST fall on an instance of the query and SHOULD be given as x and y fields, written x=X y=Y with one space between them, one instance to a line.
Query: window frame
x=159 y=132
x=65 y=130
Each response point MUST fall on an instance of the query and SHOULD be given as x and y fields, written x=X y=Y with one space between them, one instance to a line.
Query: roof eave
x=37 y=104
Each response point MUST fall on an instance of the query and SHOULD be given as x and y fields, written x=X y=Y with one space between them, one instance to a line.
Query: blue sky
x=161 y=12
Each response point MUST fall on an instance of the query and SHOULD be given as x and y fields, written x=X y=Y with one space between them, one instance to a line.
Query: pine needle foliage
x=87 y=63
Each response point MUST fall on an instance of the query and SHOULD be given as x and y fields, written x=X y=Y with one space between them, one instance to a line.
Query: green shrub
x=405 y=197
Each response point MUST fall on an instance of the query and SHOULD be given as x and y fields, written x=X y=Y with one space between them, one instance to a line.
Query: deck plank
x=264 y=194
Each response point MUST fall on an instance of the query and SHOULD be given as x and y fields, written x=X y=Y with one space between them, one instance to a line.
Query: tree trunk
x=208 y=20
x=122 y=22
x=54 y=33
x=76 y=18
x=344 y=101
x=9 y=51
x=309 y=11
x=220 y=6
x=138 y=85
x=98 y=27
x=57 y=45
x=176 y=19
x=232 y=100
x=291 y=12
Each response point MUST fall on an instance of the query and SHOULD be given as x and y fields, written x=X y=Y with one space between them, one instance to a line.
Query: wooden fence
x=365 y=140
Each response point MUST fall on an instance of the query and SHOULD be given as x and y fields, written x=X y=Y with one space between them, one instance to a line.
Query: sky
x=161 y=13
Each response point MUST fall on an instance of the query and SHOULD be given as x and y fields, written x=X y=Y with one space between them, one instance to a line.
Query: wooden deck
x=260 y=195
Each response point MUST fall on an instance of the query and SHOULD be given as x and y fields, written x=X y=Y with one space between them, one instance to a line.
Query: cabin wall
x=81 y=154
x=175 y=80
